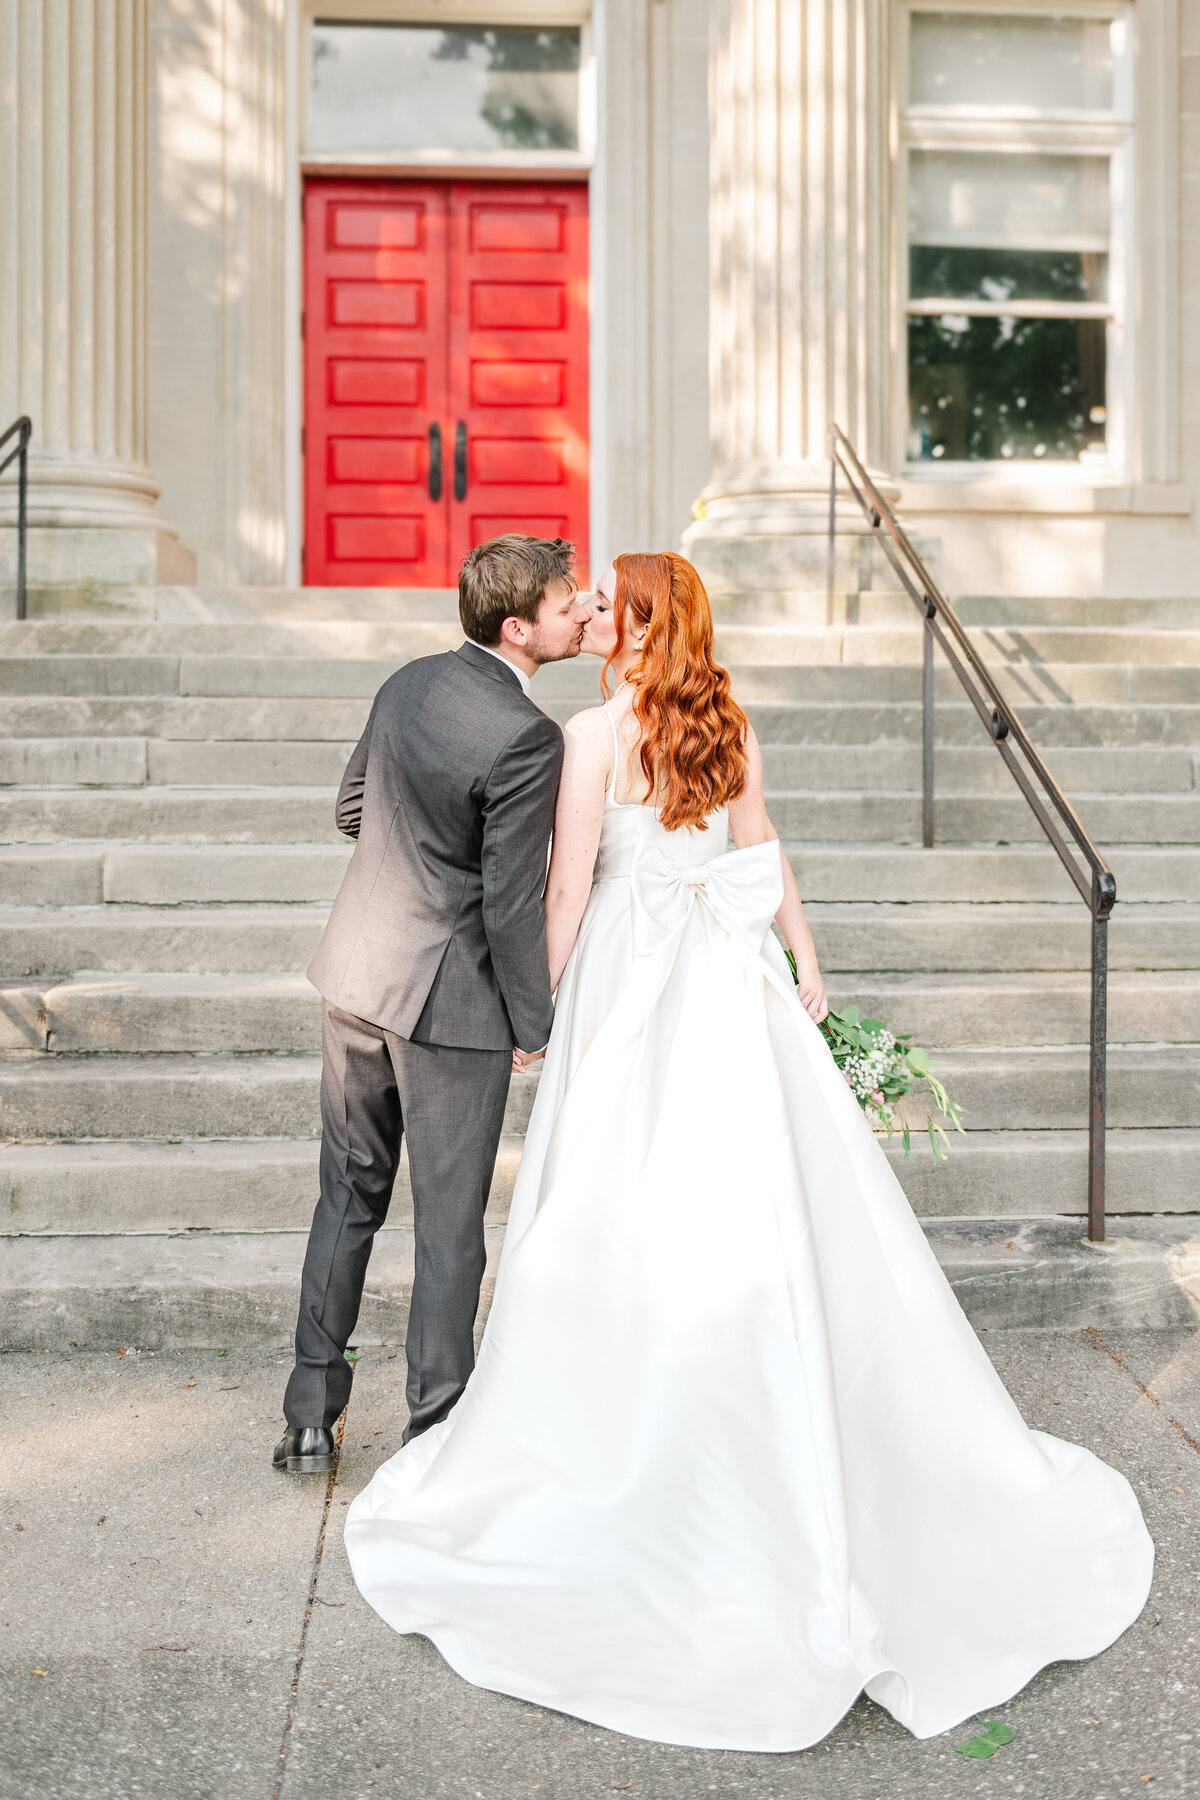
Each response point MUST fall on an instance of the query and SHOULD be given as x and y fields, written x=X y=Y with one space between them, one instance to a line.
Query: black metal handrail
x=1096 y=883
x=22 y=428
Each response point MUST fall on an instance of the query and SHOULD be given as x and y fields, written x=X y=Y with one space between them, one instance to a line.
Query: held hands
x=524 y=1059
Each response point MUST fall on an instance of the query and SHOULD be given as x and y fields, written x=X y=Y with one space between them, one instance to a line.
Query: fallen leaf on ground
x=994 y=1736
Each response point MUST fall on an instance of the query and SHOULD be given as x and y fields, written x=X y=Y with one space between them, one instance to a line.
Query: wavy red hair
x=693 y=731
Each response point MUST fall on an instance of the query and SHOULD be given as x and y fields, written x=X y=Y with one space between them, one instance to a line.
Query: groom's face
x=561 y=622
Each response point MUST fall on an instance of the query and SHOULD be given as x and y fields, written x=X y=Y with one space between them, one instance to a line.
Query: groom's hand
x=522 y=1059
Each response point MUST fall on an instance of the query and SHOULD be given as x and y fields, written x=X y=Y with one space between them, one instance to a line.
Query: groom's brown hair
x=507 y=578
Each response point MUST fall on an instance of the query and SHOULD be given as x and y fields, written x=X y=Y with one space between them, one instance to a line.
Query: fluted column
x=798 y=229
x=73 y=289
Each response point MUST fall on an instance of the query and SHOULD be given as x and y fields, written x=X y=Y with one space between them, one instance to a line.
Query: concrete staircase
x=167 y=855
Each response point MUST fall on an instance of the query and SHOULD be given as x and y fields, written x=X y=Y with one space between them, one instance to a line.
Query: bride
x=731 y=1453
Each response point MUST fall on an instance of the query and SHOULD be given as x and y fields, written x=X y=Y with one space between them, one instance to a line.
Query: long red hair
x=693 y=731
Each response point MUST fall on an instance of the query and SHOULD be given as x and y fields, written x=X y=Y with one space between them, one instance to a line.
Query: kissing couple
x=731 y=1453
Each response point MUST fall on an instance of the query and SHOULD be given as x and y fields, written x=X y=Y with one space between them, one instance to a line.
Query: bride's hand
x=523 y=1061
x=811 y=990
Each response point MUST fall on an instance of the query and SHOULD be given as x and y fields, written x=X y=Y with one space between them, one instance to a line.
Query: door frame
x=298 y=167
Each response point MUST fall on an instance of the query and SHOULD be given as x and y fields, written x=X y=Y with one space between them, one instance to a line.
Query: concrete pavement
x=179 y=1623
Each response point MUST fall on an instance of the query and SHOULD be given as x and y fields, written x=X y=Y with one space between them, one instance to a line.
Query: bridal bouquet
x=882 y=1067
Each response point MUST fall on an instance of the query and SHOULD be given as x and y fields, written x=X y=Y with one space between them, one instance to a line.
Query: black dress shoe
x=304 y=1450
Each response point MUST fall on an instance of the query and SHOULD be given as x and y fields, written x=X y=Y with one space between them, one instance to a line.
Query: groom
x=432 y=968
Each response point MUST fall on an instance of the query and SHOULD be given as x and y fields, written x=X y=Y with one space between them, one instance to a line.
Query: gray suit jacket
x=438 y=932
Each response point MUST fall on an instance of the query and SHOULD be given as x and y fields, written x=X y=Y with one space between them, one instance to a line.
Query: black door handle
x=460 y=461
x=435 y=462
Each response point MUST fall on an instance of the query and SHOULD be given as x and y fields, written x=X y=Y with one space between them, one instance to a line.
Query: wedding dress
x=731 y=1453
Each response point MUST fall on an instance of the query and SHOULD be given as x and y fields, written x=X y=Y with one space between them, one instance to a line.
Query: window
x=1017 y=130
x=453 y=88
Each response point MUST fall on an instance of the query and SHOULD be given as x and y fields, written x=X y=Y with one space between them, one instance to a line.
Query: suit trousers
x=449 y=1103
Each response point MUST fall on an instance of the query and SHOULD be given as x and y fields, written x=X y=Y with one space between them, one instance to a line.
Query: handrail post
x=927 y=735
x=1097 y=1071
x=22 y=500
x=832 y=528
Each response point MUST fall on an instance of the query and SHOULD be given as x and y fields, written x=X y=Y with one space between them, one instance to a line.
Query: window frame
x=1006 y=130
x=501 y=161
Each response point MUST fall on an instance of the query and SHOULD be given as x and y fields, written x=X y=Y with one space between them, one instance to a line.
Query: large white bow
x=742 y=890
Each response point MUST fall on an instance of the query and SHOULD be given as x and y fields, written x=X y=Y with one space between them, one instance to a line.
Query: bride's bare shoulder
x=590 y=728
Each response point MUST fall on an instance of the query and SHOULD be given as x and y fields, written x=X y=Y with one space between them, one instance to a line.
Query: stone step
x=1022 y=1088
x=197 y=1014
x=86 y=873
x=1025 y=1009
x=206 y=1184
x=924 y=937
x=1034 y=1174
x=291 y=815
x=774 y=642
x=212 y=601
x=1116 y=728
x=195 y=719
x=894 y=817
x=71 y=761
x=983 y=872
x=203 y=939
x=867 y=936
x=562 y=688
x=183 y=604
x=967 y=768
x=177 y=1097
x=245 y=1013
x=1045 y=1088
x=215 y=1184
x=126 y=762
x=220 y=1291
x=257 y=815
x=964 y=769
x=169 y=874
x=395 y=639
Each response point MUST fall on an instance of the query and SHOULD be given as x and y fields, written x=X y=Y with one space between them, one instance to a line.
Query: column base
x=91 y=526
x=761 y=547
x=69 y=569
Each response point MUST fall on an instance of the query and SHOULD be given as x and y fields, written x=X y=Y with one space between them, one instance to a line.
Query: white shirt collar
x=520 y=674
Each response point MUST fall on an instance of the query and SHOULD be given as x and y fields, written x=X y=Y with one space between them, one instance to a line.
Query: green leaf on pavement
x=994 y=1736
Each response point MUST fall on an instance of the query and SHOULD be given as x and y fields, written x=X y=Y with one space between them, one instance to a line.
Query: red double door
x=446 y=362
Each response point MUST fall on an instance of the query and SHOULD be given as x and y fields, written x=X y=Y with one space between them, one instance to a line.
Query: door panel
x=519 y=360
x=460 y=306
x=375 y=341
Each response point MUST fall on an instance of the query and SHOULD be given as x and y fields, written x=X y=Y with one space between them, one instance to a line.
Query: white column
x=73 y=292
x=798 y=232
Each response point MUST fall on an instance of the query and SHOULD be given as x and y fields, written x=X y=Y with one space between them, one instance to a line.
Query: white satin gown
x=731 y=1453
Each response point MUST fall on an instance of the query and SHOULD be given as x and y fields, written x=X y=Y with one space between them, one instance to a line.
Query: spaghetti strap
x=612 y=786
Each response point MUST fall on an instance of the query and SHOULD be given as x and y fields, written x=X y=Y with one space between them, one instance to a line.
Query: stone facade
x=744 y=278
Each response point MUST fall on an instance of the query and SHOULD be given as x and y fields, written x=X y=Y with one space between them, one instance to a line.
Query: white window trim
x=454 y=12
x=1141 y=470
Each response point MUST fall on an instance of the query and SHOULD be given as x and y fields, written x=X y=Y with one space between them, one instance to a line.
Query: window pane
x=935 y=272
x=993 y=389
x=461 y=87
x=973 y=200
x=1011 y=60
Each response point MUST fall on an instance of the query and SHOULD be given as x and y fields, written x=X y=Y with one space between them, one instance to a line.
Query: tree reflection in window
x=991 y=389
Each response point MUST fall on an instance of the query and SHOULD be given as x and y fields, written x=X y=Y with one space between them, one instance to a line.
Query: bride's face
x=601 y=633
